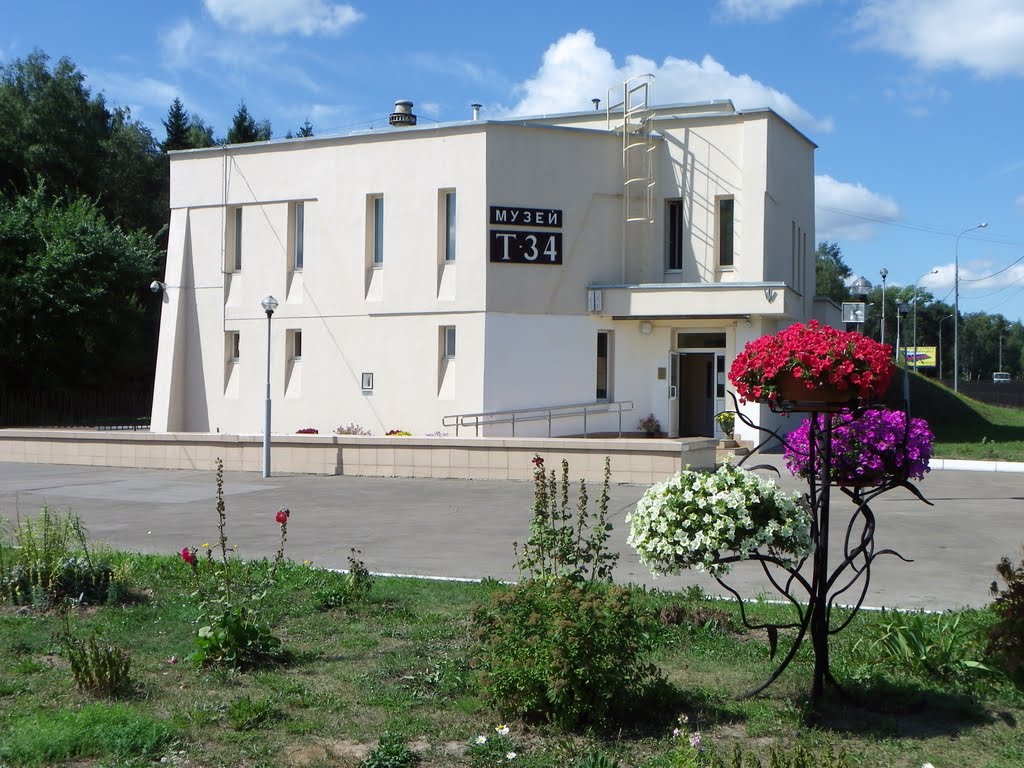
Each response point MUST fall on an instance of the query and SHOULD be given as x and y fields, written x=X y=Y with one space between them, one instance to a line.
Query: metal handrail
x=520 y=415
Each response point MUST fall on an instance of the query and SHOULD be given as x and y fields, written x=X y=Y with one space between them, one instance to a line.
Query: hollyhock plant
x=866 y=448
x=819 y=357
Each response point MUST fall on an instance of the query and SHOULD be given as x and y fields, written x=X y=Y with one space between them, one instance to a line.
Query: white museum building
x=423 y=271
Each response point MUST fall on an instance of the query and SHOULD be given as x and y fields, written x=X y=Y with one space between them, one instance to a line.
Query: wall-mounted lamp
x=646 y=327
x=156 y=286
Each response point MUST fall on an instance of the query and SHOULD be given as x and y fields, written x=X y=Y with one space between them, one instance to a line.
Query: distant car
x=1000 y=378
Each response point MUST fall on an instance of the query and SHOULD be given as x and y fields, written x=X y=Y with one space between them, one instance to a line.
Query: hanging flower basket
x=812 y=363
x=695 y=518
x=867 y=448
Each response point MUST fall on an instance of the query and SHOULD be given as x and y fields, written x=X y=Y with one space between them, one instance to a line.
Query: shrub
x=573 y=653
x=1006 y=637
x=352 y=429
x=307 y=431
x=99 y=668
x=47 y=559
x=397 y=433
x=391 y=752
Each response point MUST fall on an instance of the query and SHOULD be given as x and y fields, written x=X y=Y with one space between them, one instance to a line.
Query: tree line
x=83 y=216
x=83 y=222
x=988 y=342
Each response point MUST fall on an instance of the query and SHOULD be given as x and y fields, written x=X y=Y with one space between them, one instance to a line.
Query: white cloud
x=983 y=36
x=282 y=17
x=575 y=69
x=758 y=10
x=176 y=44
x=1019 y=201
x=848 y=211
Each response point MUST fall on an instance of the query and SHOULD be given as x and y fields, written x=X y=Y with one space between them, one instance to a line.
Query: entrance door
x=696 y=394
x=673 y=394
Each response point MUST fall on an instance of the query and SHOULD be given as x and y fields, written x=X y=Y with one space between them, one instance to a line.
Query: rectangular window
x=603 y=369
x=449 y=226
x=726 y=208
x=236 y=261
x=448 y=341
x=300 y=235
x=673 y=234
x=234 y=346
x=295 y=345
x=378 y=231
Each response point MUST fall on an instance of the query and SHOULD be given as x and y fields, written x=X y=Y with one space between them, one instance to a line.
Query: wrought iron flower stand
x=851 y=576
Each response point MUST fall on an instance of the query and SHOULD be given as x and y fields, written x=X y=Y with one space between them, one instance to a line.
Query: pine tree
x=306 y=129
x=243 y=127
x=177 y=127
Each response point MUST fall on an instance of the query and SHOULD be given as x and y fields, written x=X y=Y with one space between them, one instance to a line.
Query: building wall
x=524 y=334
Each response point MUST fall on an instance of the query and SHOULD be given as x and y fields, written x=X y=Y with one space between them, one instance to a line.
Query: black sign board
x=520 y=247
x=526 y=217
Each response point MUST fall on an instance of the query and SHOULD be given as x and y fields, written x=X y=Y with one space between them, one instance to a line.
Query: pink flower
x=282 y=516
x=695 y=741
x=188 y=555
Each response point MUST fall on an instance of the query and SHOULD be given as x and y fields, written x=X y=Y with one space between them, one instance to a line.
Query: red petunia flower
x=282 y=516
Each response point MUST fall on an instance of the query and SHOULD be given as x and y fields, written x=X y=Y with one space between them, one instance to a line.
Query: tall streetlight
x=916 y=297
x=884 y=273
x=269 y=305
x=956 y=304
x=941 y=321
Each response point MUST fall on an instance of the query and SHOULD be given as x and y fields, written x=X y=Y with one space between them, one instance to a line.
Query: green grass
x=399 y=662
x=966 y=428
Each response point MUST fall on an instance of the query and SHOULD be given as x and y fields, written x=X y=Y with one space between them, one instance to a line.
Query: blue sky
x=915 y=104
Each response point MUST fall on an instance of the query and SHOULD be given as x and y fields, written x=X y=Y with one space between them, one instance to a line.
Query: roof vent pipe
x=597 y=104
x=402 y=116
x=476 y=111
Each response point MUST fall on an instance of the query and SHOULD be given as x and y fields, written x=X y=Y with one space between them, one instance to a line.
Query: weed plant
x=392 y=751
x=1006 y=637
x=99 y=669
x=47 y=559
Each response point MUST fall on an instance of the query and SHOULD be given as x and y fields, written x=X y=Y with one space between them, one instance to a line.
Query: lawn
x=966 y=428
x=398 y=660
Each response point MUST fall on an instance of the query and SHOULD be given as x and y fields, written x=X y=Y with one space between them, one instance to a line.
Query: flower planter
x=792 y=389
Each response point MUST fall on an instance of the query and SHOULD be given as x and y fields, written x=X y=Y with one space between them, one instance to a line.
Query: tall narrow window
x=300 y=234
x=234 y=346
x=236 y=261
x=295 y=345
x=674 y=234
x=378 y=231
x=726 y=208
x=603 y=369
x=448 y=341
x=449 y=226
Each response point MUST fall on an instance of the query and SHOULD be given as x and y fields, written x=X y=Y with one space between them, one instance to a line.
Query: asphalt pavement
x=466 y=528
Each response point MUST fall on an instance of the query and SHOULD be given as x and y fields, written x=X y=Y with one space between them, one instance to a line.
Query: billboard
x=920 y=357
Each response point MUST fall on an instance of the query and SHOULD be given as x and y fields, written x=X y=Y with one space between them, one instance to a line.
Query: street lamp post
x=941 y=321
x=884 y=273
x=956 y=304
x=902 y=310
x=269 y=305
x=916 y=297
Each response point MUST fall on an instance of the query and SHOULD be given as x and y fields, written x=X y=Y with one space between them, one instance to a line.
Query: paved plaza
x=465 y=528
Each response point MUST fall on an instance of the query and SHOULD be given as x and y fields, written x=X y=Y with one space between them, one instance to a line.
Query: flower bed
x=818 y=357
x=689 y=520
x=866 y=448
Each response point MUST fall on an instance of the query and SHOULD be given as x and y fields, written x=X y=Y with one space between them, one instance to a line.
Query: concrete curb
x=977 y=466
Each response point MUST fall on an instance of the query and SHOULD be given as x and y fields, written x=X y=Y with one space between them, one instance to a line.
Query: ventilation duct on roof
x=402 y=116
